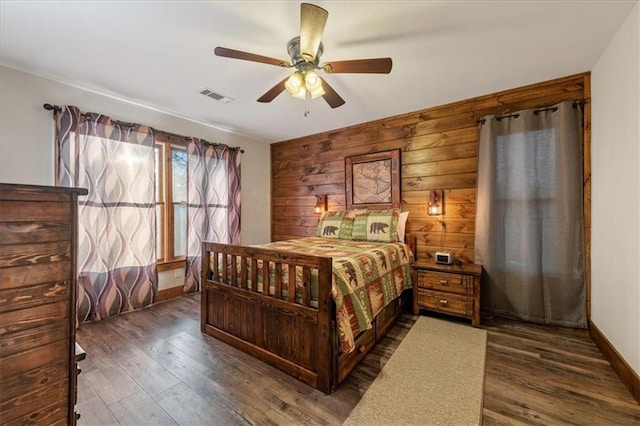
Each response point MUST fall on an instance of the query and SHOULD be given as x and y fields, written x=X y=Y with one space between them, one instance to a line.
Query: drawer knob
x=444 y=302
x=362 y=348
x=445 y=282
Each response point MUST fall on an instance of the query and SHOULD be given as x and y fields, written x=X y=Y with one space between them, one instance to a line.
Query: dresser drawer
x=445 y=302
x=444 y=281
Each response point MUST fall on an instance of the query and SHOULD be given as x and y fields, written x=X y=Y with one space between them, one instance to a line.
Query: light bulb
x=301 y=93
x=313 y=84
x=294 y=83
x=311 y=78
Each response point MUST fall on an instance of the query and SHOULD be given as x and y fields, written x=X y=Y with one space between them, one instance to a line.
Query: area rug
x=435 y=377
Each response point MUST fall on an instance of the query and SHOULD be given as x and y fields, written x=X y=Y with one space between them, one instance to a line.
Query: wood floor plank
x=154 y=366
x=107 y=378
x=186 y=406
x=551 y=375
x=140 y=409
x=146 y=372
x=92 y=408
x=225 y=391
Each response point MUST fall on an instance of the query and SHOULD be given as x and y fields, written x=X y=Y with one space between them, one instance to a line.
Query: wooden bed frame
x=292 y=335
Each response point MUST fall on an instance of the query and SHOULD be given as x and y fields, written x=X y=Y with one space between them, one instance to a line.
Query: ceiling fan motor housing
x=301 y=63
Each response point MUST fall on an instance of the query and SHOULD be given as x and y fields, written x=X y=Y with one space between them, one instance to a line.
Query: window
x=171 y=204
x=525 y=193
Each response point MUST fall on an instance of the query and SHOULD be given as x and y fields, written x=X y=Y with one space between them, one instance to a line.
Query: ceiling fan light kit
x=300 y=85
x=305 y=52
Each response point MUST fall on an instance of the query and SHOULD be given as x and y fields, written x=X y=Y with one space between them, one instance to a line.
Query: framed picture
x=373 y=180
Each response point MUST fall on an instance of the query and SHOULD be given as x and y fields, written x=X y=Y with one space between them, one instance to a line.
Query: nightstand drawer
x=445 y=302
x=444 y=281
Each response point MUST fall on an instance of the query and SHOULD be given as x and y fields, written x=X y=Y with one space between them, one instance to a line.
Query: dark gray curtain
x=529 y=221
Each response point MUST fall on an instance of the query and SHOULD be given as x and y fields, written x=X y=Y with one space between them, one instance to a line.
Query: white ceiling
x=160 y=54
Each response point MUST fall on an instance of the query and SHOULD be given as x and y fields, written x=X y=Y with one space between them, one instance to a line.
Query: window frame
x=165 y=257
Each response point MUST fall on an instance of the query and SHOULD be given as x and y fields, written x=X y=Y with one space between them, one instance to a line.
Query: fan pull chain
x=307 y=104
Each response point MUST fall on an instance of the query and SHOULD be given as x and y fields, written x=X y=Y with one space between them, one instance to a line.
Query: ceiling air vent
x=217 y=96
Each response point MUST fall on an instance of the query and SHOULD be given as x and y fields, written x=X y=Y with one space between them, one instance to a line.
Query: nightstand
x=449 y=289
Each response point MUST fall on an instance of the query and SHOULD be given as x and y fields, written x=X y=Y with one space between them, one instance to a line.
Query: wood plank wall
x=439 y=151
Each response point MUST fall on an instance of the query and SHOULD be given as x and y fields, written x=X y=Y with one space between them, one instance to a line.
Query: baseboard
x=629 y=377
x=170 y=293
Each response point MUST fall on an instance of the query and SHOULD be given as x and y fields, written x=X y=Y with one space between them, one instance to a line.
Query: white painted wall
x=27 y=141
x=615 y=212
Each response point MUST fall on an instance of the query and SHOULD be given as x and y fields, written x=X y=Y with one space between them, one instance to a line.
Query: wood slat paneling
x=443 y=153
x=309 y=169
x=438 y=140
x=439 y=151
x=441 y=168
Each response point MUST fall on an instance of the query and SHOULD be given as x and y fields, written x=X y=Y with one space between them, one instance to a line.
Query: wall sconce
x=321 y=204
x=436 y=202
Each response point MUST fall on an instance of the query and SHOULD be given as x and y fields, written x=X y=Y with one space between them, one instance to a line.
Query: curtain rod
x=57 y=108
x=536 y=111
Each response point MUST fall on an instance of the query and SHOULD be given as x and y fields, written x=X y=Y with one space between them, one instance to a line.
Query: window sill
x=174 y=264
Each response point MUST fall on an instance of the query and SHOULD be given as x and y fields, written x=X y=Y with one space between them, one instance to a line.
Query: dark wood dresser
x=38 y=304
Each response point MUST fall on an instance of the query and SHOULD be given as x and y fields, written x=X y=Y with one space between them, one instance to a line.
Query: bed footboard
x=260 y=301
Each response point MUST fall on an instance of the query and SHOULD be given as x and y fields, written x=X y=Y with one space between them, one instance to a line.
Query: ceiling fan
x=305 y=51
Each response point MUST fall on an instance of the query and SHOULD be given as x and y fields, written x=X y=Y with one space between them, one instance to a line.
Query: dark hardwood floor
x=154 y=367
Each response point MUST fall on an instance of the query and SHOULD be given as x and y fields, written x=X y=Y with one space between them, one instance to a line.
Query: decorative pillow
x=336 y=225
x=379 y=225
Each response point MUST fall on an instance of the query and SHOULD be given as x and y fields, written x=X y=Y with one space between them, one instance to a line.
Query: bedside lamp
x=436 y=202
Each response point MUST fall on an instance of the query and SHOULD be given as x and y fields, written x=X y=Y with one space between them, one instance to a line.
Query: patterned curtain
x=116 y=220
x=213 y=192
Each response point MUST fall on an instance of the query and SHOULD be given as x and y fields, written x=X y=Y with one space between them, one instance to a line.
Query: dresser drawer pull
x=445 y=282
x=362 y=348
x=444 y=302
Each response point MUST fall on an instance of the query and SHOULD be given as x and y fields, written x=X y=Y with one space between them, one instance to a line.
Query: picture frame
x=372 y=181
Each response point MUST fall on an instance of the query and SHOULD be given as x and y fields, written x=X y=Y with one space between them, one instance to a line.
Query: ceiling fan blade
x=312 y=22
x=331 y=96
x=238 y=54
x=374 y=66
x=273 y=92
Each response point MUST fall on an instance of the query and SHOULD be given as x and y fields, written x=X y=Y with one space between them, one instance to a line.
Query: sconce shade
x=321 y=204
x=436 y=202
